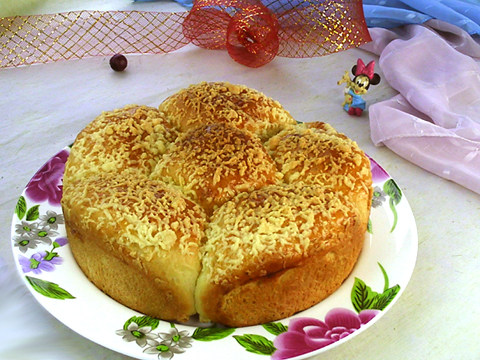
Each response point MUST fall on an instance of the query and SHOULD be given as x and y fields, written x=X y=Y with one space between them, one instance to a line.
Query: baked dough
x=138 y=240
x=212 y=163
x=274 y=251
x=315 y=153
x=131 y=139
x=239 y=106
x=218 y=203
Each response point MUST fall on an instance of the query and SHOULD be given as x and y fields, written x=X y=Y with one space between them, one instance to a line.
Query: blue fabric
x=386 y=17
x=186 y=3
x=392 y=13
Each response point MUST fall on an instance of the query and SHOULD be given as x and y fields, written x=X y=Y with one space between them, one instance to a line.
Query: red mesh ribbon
x=252 y=31
x=246 y=28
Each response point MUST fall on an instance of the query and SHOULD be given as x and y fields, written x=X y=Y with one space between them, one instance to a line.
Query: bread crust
x=222 y=102
x=215 y=162
x=283 y=293
x=131 y=139
x=255 y=273
x=315 y=153
x=218 y=203
x=127 y=281
x=120 y=235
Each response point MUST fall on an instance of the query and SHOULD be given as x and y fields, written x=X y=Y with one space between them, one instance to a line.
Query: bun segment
x=212 y=163
x=137 y=240
x=218 y=204
x=274 y=251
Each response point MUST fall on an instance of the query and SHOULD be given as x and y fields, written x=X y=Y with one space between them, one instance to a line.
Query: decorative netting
x=252 y=31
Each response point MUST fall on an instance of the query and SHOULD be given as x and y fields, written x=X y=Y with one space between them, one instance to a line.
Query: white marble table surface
x=43 y=107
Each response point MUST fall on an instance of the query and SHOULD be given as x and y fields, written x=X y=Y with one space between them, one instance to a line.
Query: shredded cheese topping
x=316 y=153
x=218 y=102
x=215 y=162
x=274 y=227
x=131 y=139
x=220 y=170
x=143 y=215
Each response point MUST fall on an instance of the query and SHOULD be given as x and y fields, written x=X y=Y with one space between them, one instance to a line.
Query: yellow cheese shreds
x=143 y=215
x=271 y=227
x=212 y=163
x=131 y=138
x=317 y=154
x=239 y=106
x=219 y=167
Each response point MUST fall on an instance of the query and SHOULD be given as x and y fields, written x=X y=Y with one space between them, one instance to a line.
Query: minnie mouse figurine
x=364 y=77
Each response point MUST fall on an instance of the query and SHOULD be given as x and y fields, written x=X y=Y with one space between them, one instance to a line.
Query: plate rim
x=405 y=206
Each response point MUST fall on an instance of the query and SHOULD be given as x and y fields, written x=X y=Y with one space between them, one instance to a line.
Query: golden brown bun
x=215 y=162
x=137 y=240
x=221 y=102
x=130 y=139
x=315 y=153
x=216 y=203
x=275 y=251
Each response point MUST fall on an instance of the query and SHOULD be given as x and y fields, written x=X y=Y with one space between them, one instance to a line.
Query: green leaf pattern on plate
x=212 y=333
x=364 y=298
x=33 y=213
x=48 y=289
x=139 y=329
x=275 y=328
x=393 y=191
x=21 y=207
x=256 y=344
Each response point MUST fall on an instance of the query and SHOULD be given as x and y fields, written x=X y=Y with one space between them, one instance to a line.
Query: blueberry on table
x=118 y=62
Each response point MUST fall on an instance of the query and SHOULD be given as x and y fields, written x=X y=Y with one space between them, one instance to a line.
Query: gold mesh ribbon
x=74 y=35
x=306 y=28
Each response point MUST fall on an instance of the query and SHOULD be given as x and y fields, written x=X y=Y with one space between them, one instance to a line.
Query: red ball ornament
x=118 y=62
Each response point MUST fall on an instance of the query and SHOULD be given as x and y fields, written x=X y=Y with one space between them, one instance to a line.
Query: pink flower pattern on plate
x=46 y=184
x=378 y=173
x=305 y=335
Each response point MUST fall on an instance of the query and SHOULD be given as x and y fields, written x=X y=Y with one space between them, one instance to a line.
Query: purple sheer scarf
x=435 y=120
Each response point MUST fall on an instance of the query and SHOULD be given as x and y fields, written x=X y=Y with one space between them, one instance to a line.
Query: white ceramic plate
x=46 y=264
